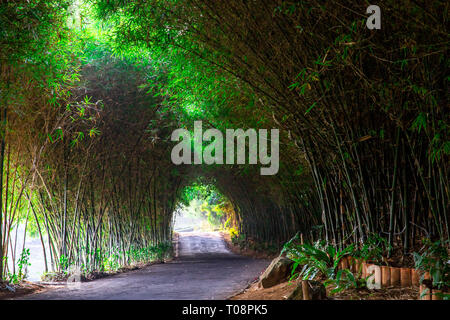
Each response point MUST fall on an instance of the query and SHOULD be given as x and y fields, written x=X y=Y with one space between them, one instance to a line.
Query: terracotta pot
x=395 y=276
x=415 y=278
x=374 y=280
x=385 y=276
x=363 y=269
x=344 y=263
x=353 y=264
x=358 y=267
x=350 y=261
x=426 y=296
x=405 y=277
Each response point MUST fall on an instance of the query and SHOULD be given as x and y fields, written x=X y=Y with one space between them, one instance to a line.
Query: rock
x=315 y=290
x=278 y=271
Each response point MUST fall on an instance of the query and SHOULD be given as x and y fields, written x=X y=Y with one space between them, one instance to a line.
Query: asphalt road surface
x=205 y=269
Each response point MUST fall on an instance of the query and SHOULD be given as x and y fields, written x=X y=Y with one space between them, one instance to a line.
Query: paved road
x=205 y=269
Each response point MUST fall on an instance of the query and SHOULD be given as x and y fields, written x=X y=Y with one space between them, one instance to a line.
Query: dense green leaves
x=91 y=91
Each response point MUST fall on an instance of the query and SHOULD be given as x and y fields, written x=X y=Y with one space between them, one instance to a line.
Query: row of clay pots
x=382 y=276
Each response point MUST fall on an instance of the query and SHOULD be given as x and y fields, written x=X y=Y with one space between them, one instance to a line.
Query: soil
x=8 y=291
x=282 y=291
x=255 y=292
x=392 y=293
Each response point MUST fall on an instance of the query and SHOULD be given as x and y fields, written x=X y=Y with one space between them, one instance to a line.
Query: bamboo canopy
x=87 y=112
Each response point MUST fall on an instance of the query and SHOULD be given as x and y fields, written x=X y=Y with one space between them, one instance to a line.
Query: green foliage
x=22 y=265
x=373 y=249
x=434 y=258
x=198 y=190
x=274 y=67
x=202 y=199
x=321 y=260
x=239 y=239
x=113 y=260
x=63 y=263
x=419 y=123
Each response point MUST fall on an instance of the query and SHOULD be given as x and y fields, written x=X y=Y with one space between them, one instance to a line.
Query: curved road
x=205 y=269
